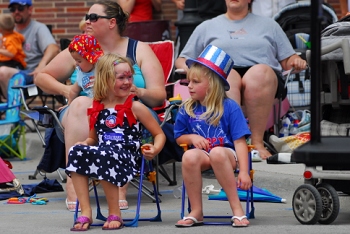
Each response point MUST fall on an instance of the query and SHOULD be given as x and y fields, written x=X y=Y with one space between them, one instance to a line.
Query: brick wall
x=65 y=15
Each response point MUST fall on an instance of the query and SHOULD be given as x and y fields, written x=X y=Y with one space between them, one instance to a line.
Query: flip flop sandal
x=194 y=224
x=82 y=220
x=114 y=218
x=71 y=203
x=240 y=218
x=125 y=207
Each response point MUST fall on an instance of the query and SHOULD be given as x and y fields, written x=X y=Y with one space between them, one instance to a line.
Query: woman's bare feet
x=71 y=195
x=263 y=152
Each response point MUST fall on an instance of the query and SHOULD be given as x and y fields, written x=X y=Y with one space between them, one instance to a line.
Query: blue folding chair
x=249 y=199
x=12 y=127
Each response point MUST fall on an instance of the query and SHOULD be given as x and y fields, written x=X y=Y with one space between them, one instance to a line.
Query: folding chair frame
x=250 y=210
x=131 y=222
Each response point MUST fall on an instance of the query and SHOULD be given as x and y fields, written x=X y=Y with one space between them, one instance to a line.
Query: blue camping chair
x=248 y=198
x=12 y=127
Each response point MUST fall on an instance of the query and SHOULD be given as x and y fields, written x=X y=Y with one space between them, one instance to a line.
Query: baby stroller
x=295 y=20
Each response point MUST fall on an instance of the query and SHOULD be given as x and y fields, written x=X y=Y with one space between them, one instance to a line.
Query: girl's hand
x=200 y=142
x=148 y=151
x=244 y=181
x=60 y=108
x=81 y=143
x=134 y=90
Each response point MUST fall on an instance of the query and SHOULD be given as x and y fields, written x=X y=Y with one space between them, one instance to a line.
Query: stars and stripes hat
x=87 y=47
x=216 y=60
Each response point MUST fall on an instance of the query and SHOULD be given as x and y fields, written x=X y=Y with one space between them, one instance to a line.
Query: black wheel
x=330 y=203
x=307 y=204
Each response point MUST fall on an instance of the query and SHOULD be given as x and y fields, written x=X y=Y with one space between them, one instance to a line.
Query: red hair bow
x=125 y=109
x=93 y=112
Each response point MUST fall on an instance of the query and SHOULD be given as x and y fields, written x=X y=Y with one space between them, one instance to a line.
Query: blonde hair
x=82 y=25
x=7 y=22
x=214 y=100
x=105 y=74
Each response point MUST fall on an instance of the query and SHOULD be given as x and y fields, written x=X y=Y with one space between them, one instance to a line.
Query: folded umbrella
x=259 y=195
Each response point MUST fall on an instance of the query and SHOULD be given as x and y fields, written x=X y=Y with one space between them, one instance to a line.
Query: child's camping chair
x=146 y=172
x=12 y=127
x=248 y=197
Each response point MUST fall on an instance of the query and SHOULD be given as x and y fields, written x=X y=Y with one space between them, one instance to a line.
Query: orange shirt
x=142 y=11
x=13 y=43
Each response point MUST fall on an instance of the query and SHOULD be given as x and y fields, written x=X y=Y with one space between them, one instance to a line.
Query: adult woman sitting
x=260 y=52
x=106 y=21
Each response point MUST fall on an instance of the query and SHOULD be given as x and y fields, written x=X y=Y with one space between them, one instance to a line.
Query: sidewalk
x=281 y=180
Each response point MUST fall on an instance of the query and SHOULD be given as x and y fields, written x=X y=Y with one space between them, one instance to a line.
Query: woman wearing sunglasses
x=106 y=21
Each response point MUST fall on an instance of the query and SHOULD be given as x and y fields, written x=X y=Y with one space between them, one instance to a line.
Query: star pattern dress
x=117 y=157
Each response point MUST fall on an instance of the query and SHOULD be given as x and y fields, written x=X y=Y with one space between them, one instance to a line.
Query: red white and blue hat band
x=216 y=60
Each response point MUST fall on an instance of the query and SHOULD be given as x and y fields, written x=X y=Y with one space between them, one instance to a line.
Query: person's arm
x=73 y=92
x=157 y=5
x=294 y=61
x=50 y=78
x=127 y=5
x=51 y=51
x=180 y=63
x=154 y=94
x=6 y=53
x=194 y=140
x=241 y=148
x=344 y=7
x=143 y=114
x=180 y=4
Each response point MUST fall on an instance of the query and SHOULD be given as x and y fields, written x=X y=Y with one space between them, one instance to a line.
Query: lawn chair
x=146 y=173
x=12 y=133
x=249 y=197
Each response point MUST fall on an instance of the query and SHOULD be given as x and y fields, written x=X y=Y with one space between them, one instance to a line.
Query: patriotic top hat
x=216 y=60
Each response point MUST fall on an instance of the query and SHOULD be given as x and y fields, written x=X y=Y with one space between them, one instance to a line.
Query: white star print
x=93 y=168
x=71 y=168
x=112 y=172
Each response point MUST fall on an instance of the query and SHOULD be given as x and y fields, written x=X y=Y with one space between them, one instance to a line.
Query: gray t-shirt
x=252 y=40
x=37 y=39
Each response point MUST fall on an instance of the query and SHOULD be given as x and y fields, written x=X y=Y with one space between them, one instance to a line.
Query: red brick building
x=64 y=15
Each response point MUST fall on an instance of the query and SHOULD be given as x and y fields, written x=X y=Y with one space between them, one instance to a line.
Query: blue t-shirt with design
x=231 y=127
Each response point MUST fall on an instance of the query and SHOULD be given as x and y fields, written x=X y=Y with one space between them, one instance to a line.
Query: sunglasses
x=20 y=8
x=94 y=17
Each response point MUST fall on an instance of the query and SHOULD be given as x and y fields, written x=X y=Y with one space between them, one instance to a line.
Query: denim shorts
x=59 y=131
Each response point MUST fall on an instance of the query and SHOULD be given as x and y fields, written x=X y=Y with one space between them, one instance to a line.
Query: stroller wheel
x=330 y=203
x=307 y=204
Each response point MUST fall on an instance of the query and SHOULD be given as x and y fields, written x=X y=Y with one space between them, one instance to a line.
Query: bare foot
x=264 y=153
x=113 y=222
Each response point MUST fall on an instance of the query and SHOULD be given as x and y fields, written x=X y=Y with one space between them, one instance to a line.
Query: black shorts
x=281 y=91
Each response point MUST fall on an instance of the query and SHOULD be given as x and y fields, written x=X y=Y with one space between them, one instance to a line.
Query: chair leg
x=134 y=221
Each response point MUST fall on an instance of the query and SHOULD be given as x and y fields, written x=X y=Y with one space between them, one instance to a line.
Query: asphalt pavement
x=281 y=179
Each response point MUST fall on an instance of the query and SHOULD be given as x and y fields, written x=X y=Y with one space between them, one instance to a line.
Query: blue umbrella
x=259 y=194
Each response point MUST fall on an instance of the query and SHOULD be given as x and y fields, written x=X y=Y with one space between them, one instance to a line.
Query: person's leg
x=81 y=186
x=123 y=203
x=76 y=128
x=223 y=163
x=5 y=75
x=258 y=95
x=110 y=191
x=194 y=161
